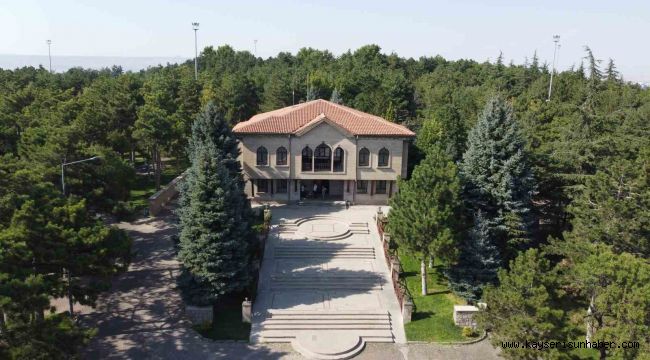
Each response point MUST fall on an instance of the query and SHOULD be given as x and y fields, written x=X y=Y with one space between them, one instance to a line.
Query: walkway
x=324 y=285
x=141 y=318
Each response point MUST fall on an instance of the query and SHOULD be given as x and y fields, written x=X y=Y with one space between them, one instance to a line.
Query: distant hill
x=63 y=63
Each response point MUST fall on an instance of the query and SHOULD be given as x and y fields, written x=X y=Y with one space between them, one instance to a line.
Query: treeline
x=540 y=209
x=586 y=150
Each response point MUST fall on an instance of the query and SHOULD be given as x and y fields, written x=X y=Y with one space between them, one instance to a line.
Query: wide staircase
x=329 y=333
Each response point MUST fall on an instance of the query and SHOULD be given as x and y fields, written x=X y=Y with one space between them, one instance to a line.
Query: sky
x=469 y=29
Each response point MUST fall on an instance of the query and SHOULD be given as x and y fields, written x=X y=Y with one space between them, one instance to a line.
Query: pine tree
x=498 y=179
x=478 y=262
x=524 y=307
x=336 y=97
x=216 y=234
x=424 y=214
x=611 y=73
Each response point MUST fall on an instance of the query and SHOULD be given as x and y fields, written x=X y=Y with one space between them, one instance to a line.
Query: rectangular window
x=380 y=187
x=362 y=186
x=281 y=186
x=262 y=185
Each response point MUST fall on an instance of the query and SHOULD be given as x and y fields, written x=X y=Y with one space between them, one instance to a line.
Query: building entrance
x=321 y=190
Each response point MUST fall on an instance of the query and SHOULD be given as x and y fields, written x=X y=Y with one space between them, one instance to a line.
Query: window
x=282 y=186
x=338 y=159
x=307 y=155
x=380 y=187
x=383 y=157
x=364 y=157
x=323 y=158
x=262 y=156
x=362 y=186
x=262 y=185
x=281 y=156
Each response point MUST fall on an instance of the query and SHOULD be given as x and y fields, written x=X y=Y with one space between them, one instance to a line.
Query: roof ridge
x=397 y=126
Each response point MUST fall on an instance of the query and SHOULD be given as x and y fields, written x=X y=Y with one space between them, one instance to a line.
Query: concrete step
x=274 y=321
x=328 y=350
x=327 y=327
x=274 y=312
x=370 y=335
x=318 y=317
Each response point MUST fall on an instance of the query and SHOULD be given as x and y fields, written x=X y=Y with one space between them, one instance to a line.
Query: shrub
x=469 y=332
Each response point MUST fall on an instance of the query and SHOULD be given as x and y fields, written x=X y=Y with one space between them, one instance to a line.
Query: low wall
x=158 y=200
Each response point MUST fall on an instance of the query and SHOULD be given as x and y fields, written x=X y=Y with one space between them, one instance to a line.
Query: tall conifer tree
x=424 y=214
x=215 y=237
x=497 y=177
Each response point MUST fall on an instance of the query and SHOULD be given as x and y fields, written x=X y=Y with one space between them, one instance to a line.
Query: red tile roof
x=291 y=119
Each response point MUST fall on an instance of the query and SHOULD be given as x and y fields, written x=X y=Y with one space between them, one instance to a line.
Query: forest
x=562 y=231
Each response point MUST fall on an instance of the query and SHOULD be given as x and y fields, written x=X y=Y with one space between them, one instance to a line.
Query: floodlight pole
x=556 y=40
x=195 y=27
x=49 y=53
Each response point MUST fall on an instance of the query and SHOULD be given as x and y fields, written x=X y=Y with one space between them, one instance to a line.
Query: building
x=322 y=150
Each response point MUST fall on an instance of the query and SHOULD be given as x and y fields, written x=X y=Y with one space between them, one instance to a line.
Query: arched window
x=281 y=156
x=307 y=156
x=323 y=158
x=262 y=156
x=364 y=157
x=338 y=159
x=383 y=157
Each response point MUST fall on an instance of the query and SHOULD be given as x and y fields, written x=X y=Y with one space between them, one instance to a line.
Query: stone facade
x=380 y=181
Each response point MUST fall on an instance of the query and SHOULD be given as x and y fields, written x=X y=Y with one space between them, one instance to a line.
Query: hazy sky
x=454 y=29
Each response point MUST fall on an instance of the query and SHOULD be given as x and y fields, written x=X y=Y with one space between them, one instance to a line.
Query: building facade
x=322 y=150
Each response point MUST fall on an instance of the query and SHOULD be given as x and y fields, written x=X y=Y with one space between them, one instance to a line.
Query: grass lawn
x=433 y=319
x=229 y=325
x=145 y=186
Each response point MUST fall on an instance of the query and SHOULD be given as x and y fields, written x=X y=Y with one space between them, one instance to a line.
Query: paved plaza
x=324 y=285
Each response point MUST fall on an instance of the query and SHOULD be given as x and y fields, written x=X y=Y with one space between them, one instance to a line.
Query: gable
x=322 y=124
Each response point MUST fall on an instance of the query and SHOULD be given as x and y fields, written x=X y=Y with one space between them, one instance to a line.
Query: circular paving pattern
x=324 y=228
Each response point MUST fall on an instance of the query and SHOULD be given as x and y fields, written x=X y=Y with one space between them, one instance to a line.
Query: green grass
x=228 y=327
x=433 y=319
x=145 y=186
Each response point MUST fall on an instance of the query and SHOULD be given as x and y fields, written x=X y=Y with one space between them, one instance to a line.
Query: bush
x=124 y=210
x=469 y=332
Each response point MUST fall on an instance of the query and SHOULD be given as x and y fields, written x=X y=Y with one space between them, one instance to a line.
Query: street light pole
x=556 y=40
x=67 y=272
x=49 y=53
x=195 y=27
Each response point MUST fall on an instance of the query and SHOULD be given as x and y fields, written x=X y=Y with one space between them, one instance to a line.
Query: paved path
x=324 y=284
x=141 y=317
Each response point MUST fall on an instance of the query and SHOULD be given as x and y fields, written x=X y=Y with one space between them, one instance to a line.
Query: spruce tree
x=524 y=307
x=497 y=178
x=424 y=214
x=215 y=216
x=478 y=262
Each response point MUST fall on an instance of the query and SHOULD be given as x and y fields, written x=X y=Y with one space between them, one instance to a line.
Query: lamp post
x=556 y=40
x=68 y=273
x=195 y=27
x=49 y=52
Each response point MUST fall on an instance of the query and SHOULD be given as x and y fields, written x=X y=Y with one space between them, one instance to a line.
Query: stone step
x=323 y=248
x=334 y=347
x=274 y=312
x=275 y=321
x=331 y=276
x=318 y=256
x=317 y=317
x=328 y=327
x=283 y=335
